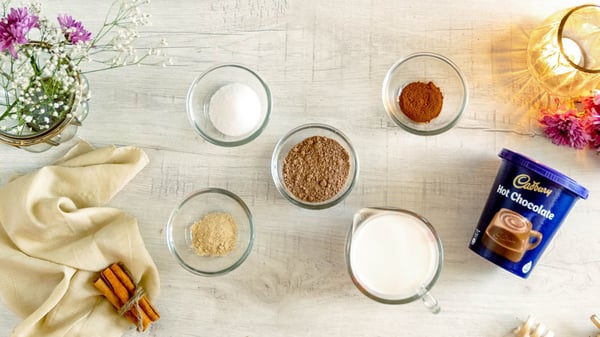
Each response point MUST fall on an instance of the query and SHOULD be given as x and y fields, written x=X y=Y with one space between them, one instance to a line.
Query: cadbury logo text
x=523 y=181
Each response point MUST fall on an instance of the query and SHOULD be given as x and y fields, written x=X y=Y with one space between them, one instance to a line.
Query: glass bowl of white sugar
x=229 y=105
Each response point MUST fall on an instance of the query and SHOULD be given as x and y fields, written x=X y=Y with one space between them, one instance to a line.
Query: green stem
x=34 y=65
x=8 y=109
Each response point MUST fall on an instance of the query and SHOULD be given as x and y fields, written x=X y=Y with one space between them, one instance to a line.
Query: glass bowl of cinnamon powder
x=314 y=166
x=425 y=93
x=210 y=232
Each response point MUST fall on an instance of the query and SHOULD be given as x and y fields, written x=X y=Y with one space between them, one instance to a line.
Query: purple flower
x=565 y=128
x=73 y=29
x=14 y=29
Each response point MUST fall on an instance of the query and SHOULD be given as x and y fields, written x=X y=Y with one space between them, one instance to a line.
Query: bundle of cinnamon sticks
x=117 y=286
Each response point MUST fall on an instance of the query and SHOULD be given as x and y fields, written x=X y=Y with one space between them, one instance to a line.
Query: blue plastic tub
x=526 y=206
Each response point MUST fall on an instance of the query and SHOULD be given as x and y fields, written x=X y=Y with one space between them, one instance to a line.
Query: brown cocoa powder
x=316 y=169
x=421 y=102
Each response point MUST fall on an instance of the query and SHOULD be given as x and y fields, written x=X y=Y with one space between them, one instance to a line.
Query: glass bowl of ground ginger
x=314 y=166
x=425 y=93
x=210 y=232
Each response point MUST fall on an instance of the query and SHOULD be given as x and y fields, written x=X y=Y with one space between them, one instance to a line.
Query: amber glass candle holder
x=563 y=53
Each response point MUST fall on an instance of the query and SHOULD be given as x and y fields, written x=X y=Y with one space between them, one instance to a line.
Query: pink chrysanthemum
x=592 y=103
x=14 y=29
x=73 y=29
x=593 y=129
x=565 y=128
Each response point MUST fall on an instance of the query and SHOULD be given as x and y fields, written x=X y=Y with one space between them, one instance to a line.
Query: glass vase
x=43 y=98
x=563 y=53
x=62 y=131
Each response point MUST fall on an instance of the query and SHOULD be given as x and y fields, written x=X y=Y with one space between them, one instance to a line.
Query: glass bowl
x=192 y=209
x=207 y=84
x=426 y=67
x=294 y=137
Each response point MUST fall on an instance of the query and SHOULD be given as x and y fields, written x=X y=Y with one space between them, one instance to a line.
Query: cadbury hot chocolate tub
x=526 y=205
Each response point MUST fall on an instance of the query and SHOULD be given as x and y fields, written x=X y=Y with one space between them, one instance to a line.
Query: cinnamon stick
x=126 y=280
x=122 y=294
x=116 y=284
x=112 y=298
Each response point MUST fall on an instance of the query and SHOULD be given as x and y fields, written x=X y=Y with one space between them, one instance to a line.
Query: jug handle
x=429 y=301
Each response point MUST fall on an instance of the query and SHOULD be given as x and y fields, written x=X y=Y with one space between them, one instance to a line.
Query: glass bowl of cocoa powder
x=210 y=232
x=314 y=166
x=425 y=93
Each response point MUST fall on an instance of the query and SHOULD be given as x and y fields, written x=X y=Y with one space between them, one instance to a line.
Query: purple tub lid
x=545 y=171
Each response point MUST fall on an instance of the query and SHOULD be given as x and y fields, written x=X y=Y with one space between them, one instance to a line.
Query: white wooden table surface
x=325 y=62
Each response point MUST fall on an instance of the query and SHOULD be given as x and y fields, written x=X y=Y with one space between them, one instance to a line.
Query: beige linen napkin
x=55 y=236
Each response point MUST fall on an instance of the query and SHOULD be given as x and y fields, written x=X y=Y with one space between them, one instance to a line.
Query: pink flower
x=565 y=128
x=14 y=29
x=73 y=29
x=593 y=129
x=592 y=103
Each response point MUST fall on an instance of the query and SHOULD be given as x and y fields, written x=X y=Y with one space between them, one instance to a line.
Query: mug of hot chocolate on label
x=526 y=206
x=509 y=234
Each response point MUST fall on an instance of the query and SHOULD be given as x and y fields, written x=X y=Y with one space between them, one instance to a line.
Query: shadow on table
x=509 y=71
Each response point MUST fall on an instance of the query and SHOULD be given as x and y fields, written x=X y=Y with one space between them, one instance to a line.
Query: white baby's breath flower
x=35 y=7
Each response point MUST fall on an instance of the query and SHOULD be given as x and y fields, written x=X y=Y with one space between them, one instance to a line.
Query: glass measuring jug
x=394 y=256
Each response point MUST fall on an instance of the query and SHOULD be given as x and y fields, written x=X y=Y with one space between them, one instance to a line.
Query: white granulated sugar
x=235 y=109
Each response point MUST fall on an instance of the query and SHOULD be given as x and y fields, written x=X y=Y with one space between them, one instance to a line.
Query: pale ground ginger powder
x=215 y=234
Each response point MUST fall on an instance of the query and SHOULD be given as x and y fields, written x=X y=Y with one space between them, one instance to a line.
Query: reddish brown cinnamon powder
x=421 y=102
x=316 y=169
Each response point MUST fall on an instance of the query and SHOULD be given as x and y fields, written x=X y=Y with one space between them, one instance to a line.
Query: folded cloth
x=55 y=236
